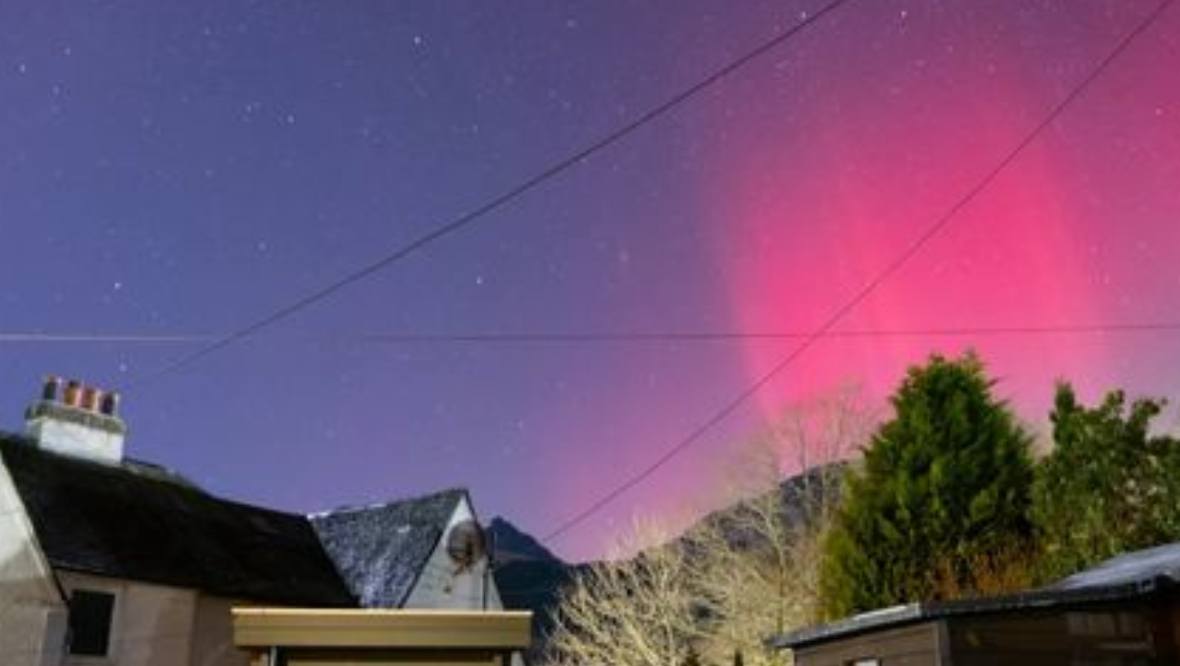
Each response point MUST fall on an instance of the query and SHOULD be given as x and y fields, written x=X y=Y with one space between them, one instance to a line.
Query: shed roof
x=1134 y=567
x=140 y=522
x=380 y=550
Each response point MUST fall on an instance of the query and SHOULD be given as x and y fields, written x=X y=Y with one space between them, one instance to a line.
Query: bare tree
x=638 y=611
x=738 y=576
x=756 y=565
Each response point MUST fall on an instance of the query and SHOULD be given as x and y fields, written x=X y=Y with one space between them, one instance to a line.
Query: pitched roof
x=380 y=550
x=140 y=522
x=1129 y=568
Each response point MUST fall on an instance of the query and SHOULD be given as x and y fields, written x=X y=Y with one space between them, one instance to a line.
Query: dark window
x=90 y=622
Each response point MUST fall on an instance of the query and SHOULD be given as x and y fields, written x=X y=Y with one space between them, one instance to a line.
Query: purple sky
x=183 y=168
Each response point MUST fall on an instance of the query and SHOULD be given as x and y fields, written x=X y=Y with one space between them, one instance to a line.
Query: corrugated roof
x=380 y=550
x=1141 y=565
x=138 y=522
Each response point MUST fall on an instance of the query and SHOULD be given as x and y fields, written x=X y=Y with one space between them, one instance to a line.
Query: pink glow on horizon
x=815 y=209
x=812 y=193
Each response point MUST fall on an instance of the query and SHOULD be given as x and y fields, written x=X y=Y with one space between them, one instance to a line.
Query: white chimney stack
x=80 y=421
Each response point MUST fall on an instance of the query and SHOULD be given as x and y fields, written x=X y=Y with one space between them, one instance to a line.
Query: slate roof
x=381 y=550
x=138 y=521
x=1137 y=575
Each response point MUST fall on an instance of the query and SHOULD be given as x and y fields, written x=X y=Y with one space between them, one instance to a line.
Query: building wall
x=32 y=612
x=212 y=643
x=442 y=586
x=914 y=645
x=1126 y=634
x=158 y=625
x=151 y=624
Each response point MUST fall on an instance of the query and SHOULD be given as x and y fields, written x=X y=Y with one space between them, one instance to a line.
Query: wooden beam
x=364 y=628
x=399 y=657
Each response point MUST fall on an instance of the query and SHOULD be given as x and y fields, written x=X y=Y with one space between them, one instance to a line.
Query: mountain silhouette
x=530 y=577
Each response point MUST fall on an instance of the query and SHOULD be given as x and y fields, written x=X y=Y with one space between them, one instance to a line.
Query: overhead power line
x=112 y=338
x=494 y=203
x=548 y=338
x=739 y=336
x=933 y=230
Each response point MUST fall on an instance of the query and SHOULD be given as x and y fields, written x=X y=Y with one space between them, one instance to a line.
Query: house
x=1124 y=611
x=109 y=560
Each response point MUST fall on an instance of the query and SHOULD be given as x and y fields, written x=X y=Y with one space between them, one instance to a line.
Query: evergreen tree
x=945 y=484
x=1109 y=485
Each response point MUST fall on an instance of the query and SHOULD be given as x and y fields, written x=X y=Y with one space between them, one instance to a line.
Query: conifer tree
x=945 y=485
x=1109 y=485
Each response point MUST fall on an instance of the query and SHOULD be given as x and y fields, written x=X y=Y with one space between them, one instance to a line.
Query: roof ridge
x=385 y=504
x=170 y=477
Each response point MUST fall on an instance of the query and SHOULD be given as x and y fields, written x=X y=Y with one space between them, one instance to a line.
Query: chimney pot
x=110 y=404
x=51 y=388
x=89 y=398
x=73 y=393
x=83 y=424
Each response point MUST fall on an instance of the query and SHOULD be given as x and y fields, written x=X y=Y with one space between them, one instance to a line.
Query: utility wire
x=932 y=231
x=741 y=336
x=19 y=337
x=493 y=204
x=607 y=337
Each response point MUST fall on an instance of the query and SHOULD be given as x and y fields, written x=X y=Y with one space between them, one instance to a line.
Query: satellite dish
x=465 y=544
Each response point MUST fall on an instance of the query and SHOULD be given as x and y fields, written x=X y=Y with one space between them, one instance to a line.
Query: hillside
x=530 y=577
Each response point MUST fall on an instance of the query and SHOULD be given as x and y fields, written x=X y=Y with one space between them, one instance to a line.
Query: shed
x=340 y=637
x=1124 y=611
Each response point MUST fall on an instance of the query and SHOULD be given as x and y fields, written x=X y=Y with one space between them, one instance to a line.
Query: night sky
x=183 y=168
